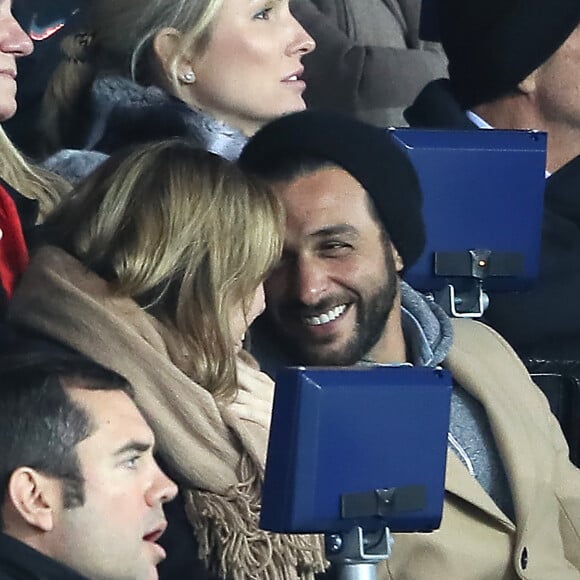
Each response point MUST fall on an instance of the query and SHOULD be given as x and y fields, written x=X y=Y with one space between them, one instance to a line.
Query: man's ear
x=399 y=263
x=35 y=497
x=528 y=85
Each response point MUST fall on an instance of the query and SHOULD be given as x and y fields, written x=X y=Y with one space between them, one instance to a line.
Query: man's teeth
x=326 y=317
x=293 y=78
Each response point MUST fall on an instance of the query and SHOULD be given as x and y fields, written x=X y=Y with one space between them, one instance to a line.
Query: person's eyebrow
x=133 y=446
x=336 y=230
x=258 y=2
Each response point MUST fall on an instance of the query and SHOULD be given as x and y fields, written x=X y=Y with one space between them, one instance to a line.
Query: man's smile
x=327 y=316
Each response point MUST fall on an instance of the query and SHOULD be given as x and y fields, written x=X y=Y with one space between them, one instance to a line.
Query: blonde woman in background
x=156 y=272
x=211 y=70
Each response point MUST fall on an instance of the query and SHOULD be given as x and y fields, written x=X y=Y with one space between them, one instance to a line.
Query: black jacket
x=543 y=322
x=181 y=546
x=20 y=562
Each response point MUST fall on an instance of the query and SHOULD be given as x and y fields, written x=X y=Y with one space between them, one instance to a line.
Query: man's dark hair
x=40 y=425
x=369 y=154
x=292 y=167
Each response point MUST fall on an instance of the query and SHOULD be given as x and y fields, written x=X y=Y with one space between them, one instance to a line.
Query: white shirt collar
x=483 y=124
x=477 y=120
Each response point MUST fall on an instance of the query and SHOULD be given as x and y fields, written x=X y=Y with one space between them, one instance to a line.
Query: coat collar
x=461 y=483
x=32 y=564
x=125 y=113
x=562 y=191
x=495 y=380
x=437 y=108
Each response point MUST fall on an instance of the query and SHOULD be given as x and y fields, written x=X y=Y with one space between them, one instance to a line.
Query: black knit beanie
x=492 y=45
x=368 y=153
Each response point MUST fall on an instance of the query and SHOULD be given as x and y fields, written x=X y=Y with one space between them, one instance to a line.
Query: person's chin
x=321 y=350
x=150 y=574
x=300 y=106
x=7 y=108
x=295 y=106
x=149 y=570
x=332 y=354
x=154 y=554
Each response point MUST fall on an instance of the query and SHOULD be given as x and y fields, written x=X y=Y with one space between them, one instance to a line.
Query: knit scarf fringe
x=231 y=543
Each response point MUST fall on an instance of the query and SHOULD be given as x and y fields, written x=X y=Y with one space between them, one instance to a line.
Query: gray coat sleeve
x=74 y=164
x=353 y=71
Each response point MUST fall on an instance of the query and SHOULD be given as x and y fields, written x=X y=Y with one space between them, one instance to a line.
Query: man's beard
x=373 y=312
x=371 y=319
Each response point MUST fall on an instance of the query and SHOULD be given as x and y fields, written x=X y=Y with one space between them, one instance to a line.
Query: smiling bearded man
x=325 y=323
x=353 y=224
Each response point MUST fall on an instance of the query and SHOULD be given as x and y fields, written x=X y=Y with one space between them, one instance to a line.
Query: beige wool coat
x=476 y=540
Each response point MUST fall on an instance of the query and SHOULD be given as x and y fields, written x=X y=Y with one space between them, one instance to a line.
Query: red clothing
x=13 y=248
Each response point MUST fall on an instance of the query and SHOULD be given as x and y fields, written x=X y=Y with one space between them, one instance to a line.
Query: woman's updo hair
x=118 y=40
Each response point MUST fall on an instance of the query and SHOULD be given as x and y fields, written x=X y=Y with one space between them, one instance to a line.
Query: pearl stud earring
x=188 y=77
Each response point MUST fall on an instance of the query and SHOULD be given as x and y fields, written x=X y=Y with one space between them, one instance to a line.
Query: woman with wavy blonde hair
x=211 y=70
x=155 y=270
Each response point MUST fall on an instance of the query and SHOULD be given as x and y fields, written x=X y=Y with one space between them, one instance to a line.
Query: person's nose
x=311 y=280
x=162 y=490
x=14 y=40
x=302 y=43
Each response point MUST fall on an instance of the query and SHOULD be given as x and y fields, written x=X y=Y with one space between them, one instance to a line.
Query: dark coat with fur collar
x=124 y=113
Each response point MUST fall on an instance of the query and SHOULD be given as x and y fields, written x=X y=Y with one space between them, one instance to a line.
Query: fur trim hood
x=125 y=113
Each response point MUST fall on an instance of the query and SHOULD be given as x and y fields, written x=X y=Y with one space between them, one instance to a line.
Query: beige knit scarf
x=216 y=457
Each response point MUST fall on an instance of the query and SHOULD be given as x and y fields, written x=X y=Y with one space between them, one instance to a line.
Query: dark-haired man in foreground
x=81 y=494
x=354 y=223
